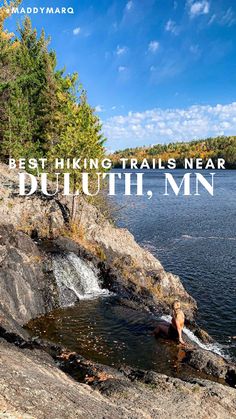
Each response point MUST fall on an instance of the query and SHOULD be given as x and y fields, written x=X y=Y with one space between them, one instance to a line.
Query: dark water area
x=195 y=238
x=106 y=332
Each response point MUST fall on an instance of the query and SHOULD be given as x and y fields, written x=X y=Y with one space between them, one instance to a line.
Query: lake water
x=195 y=238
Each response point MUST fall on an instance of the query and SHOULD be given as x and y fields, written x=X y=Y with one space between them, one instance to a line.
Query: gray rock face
x=207 y=362
x=138 y=268
x=35 y=213
x=24 y=288
x=9 y=326
x=140 y=272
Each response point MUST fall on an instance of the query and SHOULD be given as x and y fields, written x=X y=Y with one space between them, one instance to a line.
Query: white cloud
x=129 y=5
x=212 y=19
x=122 y=68
x=197 y=8
x=172 y=27
x=153 y=46
x=76 y=31
x=121 y=50
x=228 y=18
x=158 y=125
x=194 y=49
x=99 y=108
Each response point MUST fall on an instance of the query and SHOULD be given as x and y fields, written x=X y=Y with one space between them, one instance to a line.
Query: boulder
x=211 y=364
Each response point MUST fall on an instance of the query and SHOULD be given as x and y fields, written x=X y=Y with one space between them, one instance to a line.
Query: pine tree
x=18 y=132
x=42 y=111
x=82 y=137
x=8 y=46
x=37 y=79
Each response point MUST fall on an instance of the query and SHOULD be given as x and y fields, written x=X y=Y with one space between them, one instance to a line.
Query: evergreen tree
x=82 y=137
x=42 y=111
x=18 y=130
x=37 y=80
x=28 y=94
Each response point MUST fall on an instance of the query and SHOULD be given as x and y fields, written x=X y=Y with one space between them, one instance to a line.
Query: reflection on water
x=106 y=332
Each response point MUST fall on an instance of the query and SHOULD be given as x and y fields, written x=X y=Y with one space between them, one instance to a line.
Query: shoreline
x=130 y=271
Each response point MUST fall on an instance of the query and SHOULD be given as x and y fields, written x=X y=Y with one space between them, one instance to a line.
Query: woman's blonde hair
x=176 y=305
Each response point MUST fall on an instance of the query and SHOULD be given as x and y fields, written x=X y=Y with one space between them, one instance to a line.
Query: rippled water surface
x=103 y=330
x=195 y=238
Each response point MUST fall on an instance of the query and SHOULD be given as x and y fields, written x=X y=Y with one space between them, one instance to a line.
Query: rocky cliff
x=26 y=291
x=32 y=230
x=125 y=263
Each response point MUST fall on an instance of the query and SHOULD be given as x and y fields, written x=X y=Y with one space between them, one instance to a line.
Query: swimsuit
x=173 y=333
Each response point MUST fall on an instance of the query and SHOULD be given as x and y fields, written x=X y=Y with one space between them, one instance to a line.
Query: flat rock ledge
x=31 y=386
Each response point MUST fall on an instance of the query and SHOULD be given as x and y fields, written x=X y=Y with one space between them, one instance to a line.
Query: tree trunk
x=74 y=201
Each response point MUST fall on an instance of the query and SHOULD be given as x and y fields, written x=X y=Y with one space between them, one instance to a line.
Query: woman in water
x=175 y=328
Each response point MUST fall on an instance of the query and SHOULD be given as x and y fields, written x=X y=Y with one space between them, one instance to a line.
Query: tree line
x=43 y=111
x=210 y=148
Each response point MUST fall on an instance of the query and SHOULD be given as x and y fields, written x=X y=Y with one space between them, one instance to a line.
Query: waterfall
x=76 y=279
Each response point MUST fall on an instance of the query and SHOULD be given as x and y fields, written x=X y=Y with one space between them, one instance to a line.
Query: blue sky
x=156 y=70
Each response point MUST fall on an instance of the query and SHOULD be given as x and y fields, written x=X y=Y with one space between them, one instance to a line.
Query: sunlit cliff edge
x=32 y=385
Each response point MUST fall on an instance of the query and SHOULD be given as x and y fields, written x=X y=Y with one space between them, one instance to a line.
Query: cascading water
x=75 y=279
x=213 y=347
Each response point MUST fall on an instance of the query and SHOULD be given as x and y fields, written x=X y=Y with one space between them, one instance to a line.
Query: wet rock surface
x=211 y=364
